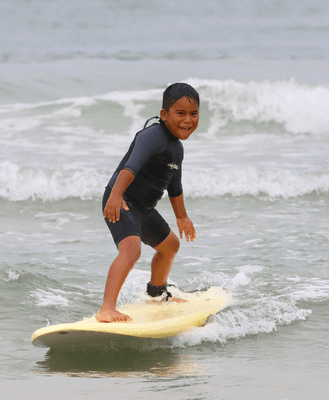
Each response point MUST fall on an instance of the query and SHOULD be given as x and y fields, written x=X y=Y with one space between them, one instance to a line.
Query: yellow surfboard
x=150 y=319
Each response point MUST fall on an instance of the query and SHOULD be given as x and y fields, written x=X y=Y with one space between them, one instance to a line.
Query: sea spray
x=294 y=106
x=58 y=183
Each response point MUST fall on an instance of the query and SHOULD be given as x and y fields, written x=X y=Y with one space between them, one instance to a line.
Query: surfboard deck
x=150 y=319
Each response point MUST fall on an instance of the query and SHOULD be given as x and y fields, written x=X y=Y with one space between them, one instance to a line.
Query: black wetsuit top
x=155 y=158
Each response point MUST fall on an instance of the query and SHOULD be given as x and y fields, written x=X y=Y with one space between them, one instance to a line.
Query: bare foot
x=111 y=316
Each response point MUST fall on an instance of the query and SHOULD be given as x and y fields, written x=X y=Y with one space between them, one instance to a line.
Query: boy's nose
x=187 y=118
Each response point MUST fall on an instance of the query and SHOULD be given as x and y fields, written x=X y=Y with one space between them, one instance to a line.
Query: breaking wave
x=59 y=183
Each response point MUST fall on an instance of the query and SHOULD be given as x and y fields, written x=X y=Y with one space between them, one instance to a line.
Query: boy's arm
x=184 y=223
x=116 y=200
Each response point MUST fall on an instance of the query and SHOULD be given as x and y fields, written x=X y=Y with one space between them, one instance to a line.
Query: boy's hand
x=185 y=226
x=113 y=207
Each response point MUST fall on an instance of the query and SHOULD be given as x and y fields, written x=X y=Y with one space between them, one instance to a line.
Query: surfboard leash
x=155 y=291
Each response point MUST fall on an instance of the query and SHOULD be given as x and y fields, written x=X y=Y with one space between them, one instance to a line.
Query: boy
x=151 y=165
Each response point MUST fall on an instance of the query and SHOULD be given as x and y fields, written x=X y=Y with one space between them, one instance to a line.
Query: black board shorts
x=149 y=225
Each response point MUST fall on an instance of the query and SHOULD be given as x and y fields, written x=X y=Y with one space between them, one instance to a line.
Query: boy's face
x=182 y=118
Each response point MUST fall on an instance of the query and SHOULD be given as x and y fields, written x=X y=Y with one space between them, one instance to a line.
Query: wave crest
x=255 y=182
x=49 y=184
x=59 y=183
x=298 y=107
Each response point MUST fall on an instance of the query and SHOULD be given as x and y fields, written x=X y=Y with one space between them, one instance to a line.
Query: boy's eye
x=193 y=113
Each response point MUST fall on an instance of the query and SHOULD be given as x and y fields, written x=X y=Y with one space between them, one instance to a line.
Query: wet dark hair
x=176 y=91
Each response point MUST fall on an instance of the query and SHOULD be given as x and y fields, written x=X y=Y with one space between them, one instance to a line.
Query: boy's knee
x=175 y=244
x=172 y=244
x=131 y=249
x=133 y=254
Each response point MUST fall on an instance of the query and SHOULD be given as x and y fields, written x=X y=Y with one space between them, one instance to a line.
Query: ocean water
x=77 y=80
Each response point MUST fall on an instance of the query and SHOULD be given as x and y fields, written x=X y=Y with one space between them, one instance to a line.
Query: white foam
x=238 y=322
x=250 y=269
x=298 y=107
x=301 y=169
x=312 y=289
x=132 y=104
x=240 y=279
x=12 y=275
x=205 y=279
x=252 y=310
x=256 y=182
x=44 y=298
x=57 y=183
x=50 y=184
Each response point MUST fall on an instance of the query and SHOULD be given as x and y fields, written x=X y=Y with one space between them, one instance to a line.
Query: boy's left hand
x=185 y=225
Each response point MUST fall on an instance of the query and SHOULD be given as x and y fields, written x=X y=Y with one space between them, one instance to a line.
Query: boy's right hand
x=113 y=207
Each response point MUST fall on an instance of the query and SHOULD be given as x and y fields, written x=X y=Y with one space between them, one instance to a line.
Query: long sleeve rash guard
x=155 y=158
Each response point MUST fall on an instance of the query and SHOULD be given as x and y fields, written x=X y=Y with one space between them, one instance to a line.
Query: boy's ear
x=163 y=115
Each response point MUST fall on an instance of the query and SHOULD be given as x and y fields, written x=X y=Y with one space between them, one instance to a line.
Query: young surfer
x=151 y=166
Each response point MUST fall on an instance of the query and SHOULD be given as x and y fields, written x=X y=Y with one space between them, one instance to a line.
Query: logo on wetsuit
x=173 y=166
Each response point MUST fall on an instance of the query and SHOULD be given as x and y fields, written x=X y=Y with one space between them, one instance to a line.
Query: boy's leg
x=156 y=233
x=129 y=253
x=163 y=259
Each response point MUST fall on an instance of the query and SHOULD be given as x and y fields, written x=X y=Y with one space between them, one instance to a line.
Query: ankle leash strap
x=155 y=291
